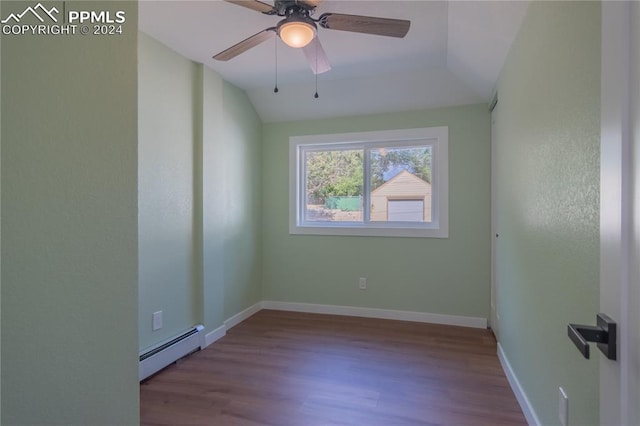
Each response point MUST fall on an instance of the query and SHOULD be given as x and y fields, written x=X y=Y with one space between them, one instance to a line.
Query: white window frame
x=437 y=137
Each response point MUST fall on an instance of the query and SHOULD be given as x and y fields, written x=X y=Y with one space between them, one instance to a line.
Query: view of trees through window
x=334 y=182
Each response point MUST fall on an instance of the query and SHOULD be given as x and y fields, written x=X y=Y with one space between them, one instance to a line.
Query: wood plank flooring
x=293 y=369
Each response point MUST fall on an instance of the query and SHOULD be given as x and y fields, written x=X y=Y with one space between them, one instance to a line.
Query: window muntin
x=372 y=183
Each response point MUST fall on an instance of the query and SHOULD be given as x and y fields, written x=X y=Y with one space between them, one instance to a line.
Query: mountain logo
x=38 y=11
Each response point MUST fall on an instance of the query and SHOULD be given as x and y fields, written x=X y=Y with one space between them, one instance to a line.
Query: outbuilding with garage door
x=403 y=198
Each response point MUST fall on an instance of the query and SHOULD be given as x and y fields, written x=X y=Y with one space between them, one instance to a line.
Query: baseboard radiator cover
x=157 y=358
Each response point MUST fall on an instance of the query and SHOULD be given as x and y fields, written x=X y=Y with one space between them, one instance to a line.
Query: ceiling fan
x=299 y=29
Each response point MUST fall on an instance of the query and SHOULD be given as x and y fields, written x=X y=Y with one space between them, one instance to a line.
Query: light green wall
x=1 y=218
x=200 y=195
x=69 y=225
x=448 y=276
x=165 y=191
x=241 y=152
x=547 y=140
x=211 y=183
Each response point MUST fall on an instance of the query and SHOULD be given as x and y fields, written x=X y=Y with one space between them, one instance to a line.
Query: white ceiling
x=452 y=54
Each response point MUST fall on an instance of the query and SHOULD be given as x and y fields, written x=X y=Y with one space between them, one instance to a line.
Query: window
x=386 y=183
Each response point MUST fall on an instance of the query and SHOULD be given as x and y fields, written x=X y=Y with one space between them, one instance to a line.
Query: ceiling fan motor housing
x=288 y=7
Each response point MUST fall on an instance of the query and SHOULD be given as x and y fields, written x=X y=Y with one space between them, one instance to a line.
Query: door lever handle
x=604 y=334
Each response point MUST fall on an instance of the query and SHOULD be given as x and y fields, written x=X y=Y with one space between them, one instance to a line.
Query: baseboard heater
x=159 y=357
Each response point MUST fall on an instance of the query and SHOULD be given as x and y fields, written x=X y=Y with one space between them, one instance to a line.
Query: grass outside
x=318 y=213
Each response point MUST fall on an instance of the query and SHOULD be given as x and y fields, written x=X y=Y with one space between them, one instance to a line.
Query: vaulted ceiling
x=452 y=55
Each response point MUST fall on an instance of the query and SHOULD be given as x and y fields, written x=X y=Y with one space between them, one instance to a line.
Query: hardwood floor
x=293 y=369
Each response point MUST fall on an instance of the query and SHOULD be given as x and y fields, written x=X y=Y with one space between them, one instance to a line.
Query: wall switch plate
x=157 y=321
x=563 y=407
x=363 y=283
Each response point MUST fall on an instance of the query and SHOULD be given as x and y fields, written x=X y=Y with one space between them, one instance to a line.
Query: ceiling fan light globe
x=296 y=34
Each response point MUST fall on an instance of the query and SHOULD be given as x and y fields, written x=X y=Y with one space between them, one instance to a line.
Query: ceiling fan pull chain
x=316 y=70
x=275 y=89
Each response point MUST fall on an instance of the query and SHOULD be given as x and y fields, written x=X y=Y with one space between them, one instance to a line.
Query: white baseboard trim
x=355 y=311
x=521 y=396
x=241 y=316
x=214 y=335
x=220 y=332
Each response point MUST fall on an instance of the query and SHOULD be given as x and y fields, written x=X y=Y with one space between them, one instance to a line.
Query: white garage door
x=406 y=210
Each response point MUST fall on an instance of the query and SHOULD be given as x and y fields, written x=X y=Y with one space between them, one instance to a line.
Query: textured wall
x=547 y=206
x=167 y=139
x=447 y=276
x=199 y=196
x=241 y=152
x=69 y=225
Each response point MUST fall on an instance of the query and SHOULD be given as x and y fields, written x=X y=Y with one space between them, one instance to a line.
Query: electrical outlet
x=563 y=407
x=363 y=283
x=156 y=321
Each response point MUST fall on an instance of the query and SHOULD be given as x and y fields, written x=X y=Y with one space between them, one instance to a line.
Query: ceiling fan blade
x=246 y=44
x=254 y=5
x=365 y=24
x=316 y=56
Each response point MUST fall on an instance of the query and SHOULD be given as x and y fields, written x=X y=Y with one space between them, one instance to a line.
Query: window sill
x=369 y=231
